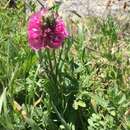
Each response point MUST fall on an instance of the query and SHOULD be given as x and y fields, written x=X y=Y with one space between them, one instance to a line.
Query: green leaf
x=78 y=103
x=33 y=124
x=122 y=100
x=81 y=103
x=2 y=99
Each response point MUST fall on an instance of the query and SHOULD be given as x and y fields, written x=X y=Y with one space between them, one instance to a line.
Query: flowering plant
x=46 y=29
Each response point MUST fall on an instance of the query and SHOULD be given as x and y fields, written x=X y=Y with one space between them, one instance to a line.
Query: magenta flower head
x=45 y=31
x=35 y=37
x=57 y=34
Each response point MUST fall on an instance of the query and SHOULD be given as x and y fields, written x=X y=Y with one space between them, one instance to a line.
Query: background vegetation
x=86 y=88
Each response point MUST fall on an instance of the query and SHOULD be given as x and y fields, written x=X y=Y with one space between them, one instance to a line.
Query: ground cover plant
x=81 y=85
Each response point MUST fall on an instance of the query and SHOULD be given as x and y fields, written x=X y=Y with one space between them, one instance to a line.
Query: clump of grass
x=82 y=86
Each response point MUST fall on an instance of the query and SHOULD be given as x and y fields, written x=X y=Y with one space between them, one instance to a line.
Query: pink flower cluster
x=42 y=36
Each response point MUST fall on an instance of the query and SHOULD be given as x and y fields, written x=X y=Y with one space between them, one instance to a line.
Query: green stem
x=60 y=117
x=54 y=76
x=50 y=63
x=55 y=61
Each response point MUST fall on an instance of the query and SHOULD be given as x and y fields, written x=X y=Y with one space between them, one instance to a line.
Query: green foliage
x=82 y=86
